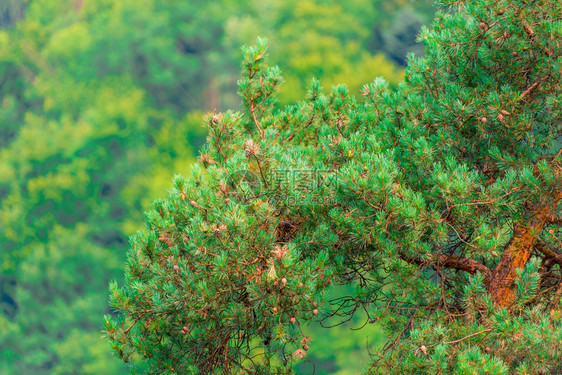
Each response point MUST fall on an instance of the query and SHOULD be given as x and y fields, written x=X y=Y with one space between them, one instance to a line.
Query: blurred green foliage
x=100 y=104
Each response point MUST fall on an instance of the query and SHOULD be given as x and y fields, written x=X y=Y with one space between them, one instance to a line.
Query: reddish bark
x=453 y=261
x=465 y=264
x=516 y=254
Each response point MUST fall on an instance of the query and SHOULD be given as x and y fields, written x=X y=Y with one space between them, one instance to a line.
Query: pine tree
x=438 y=201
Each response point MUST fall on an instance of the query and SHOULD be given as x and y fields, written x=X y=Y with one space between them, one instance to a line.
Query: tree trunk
x=516 y=254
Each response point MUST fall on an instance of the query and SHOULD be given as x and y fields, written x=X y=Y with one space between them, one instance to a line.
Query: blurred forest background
x=101 y=104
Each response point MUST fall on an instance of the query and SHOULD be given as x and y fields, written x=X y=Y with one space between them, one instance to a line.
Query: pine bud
x=280 y=252
x=176 y=268
x=483 y=26
x=217 y=232
x=207 y=160
x=505 y=113
x=484 y=120
x=487 y=349
x=283 y=281
x=514 y=54
x=299 y=354
x=500 y=117
x=305 y=347
x=194 y=204
x=423 y=349
x=274 y=309
x=250 y=146
x=494 y=253
x=293 y=320
x=501 y=12
x=528 y=29
x=315 y=312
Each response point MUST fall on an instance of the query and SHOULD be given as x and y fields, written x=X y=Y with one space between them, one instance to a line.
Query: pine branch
x=465 y=264
x=548 y=253
x=453 y=261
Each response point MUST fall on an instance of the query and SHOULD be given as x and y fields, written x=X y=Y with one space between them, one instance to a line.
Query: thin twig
x=464 y=338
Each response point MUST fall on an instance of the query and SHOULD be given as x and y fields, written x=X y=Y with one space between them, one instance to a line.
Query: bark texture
x=516 y=254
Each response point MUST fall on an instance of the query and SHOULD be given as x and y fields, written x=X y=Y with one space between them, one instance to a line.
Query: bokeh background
x=101 y=104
